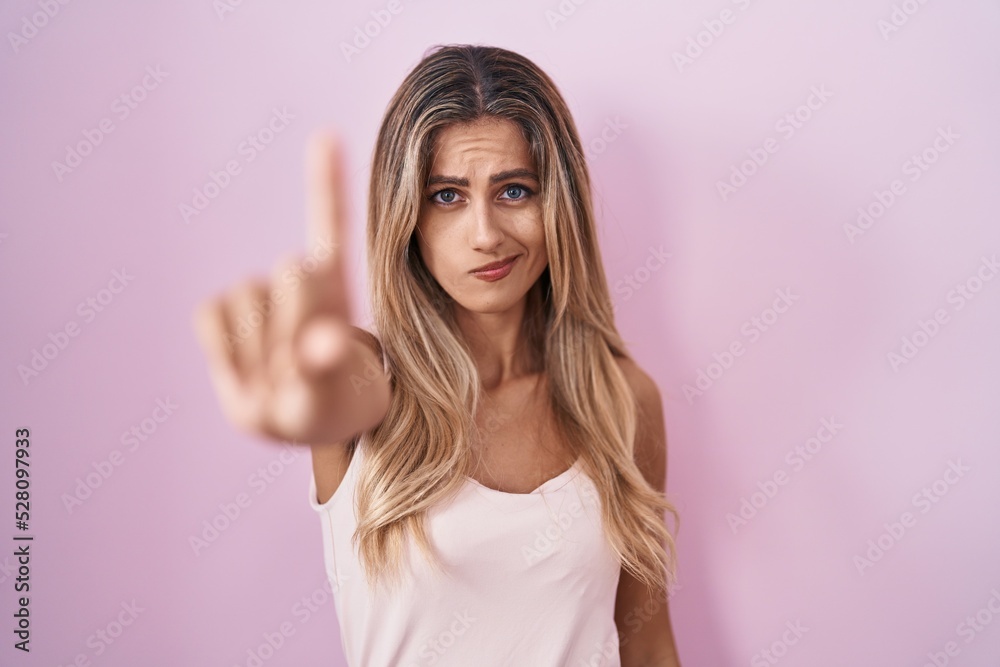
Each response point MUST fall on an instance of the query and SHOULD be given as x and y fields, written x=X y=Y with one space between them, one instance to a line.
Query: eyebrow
x=495 y=178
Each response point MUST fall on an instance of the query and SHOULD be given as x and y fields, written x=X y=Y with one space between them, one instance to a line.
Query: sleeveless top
x=531 y=581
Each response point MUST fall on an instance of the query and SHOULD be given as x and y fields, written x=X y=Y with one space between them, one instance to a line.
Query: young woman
x=490 y=468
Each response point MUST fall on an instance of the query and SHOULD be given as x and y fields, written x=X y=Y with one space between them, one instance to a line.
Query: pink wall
x=813 y=365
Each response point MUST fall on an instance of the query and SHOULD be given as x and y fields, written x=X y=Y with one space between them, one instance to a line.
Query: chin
x=488 y=307
x=493 y=304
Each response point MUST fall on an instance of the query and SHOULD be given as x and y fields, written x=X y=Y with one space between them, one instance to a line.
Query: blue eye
x=517 y=188
x=448 y=197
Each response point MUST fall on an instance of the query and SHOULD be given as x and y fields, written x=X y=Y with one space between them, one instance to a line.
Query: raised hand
x=284 y=359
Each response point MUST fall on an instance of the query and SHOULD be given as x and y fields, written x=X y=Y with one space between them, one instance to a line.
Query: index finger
x=326 y=204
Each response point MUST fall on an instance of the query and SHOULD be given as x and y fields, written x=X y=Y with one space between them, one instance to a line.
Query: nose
x=485 y=234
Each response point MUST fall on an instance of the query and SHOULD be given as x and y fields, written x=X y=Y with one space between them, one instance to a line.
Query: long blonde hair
x=416 y=457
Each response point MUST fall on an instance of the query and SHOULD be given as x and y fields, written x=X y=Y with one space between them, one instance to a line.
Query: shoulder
x=650 y=437
x=372 y=343
x=368 y=338
x=646 y=392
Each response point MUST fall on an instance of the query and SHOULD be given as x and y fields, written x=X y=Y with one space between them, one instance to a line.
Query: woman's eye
x=519 y=192
x=447 y=196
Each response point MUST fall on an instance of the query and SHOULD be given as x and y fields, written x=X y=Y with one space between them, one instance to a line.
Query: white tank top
x=533 y=581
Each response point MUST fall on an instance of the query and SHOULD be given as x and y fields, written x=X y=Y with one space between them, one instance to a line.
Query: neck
x=500 y=343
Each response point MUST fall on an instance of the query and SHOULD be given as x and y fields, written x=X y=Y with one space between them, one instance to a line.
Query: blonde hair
x=416 y=457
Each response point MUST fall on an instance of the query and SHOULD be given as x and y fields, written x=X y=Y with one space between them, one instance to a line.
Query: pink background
x=670 y=135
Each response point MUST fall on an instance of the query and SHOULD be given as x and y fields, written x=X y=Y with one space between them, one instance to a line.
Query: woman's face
x=481 y=205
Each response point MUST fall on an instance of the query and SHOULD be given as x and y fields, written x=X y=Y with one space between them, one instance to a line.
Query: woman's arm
x=643 y=614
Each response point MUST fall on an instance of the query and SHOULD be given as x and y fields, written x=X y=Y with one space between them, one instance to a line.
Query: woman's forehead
x=493 y=142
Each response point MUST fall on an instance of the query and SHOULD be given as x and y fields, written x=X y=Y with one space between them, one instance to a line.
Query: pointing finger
x=326 y=204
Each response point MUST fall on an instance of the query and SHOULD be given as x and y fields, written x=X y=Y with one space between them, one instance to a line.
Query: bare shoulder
x=643 y=385
x=369 y=339
x=651 y=436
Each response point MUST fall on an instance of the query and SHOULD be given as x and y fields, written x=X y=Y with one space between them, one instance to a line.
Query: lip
x=495 y=270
